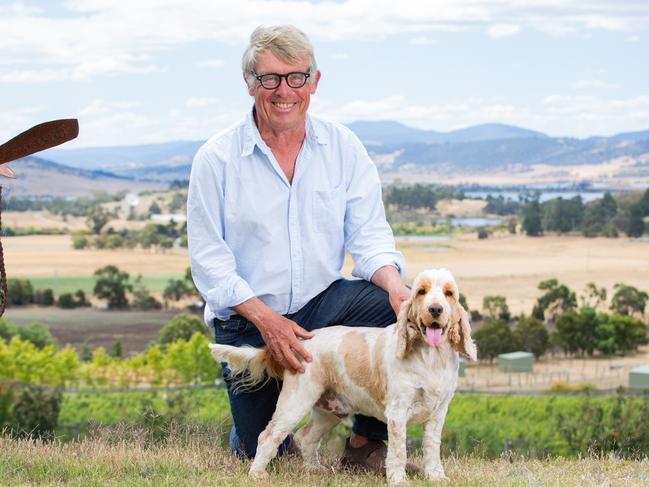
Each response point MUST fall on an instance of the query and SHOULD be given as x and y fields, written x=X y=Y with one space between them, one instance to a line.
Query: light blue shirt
x=252 y=233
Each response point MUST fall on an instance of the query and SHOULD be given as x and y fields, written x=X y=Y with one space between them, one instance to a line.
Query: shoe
x=370 y=458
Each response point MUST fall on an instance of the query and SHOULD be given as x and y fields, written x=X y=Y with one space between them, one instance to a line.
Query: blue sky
x=146 y=71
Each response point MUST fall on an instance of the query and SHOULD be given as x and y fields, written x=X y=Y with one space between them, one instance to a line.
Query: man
x=273 y=204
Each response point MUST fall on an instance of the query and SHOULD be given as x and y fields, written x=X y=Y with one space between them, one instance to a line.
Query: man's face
x=284 y=107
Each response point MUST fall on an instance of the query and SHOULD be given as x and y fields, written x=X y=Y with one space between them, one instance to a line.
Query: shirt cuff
x=232 y=292
x=366 y=268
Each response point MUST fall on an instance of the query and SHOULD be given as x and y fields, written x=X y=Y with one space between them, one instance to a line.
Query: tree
x=183 y=325
x=532 y=218
x=177 y=289
x=598 y=217
x=142 y=298
x=493 y=338
x=495 y=308
x=97 y=218
x=19 y=292
x=575 y=332
x=556 y=300
x=559 y=215
x=593 y=296
x=44 y=297
x=154 y=208
x=619 y=333
x=628 y=300
x=532 y=336
x=66 y=301
x=112 y=284
x=635 y=226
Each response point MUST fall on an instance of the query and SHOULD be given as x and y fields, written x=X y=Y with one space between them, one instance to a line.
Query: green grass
x=196 y=459
x=475 y=424
x=69 y=284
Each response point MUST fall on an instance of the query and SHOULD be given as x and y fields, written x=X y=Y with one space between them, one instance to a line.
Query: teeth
x=283 y=105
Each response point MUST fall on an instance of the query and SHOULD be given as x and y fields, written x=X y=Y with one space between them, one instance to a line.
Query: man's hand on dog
x=282 y=337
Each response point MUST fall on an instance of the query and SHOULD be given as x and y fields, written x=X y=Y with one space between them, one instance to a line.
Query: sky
x=149 y=71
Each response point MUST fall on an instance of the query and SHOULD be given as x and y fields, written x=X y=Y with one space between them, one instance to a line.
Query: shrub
x=531 y=335
x=19 y=292
x=66 y=301
x=493 y=338
x=37 y=334
x=182 y=326
x=621 y=428
x=36 y=411
x=44 y=297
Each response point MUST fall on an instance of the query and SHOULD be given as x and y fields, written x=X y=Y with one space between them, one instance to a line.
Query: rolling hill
x=472 y=154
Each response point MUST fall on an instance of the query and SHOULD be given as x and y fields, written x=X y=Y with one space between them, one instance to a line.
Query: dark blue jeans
x=344 y=302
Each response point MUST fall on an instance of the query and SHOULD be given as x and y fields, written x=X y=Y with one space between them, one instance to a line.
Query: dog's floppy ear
x=459 y=334
x=407 y=332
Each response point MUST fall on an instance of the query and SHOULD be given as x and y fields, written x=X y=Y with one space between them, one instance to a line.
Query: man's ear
x=316 y=79
x=459 y=335
x=407 y=332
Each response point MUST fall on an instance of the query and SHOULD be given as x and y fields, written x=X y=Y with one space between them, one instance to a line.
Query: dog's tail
x=250 y=367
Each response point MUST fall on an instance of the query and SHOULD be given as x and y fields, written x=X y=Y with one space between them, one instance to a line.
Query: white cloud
x=211 y=63
x=104 y=37
x=503 y=30
x=581 y=116
x=200 y=102
x=15 y=121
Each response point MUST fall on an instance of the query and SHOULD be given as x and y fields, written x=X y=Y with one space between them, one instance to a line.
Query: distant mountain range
x=40 y=177
x=395 y=147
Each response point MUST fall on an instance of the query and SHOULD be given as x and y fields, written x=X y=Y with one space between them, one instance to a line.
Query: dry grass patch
x=101 y=462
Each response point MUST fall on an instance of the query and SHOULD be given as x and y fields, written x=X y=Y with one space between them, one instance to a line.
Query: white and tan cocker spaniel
x=403 y=374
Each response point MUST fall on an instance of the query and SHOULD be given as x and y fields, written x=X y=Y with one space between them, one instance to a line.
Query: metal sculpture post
x=36 y=139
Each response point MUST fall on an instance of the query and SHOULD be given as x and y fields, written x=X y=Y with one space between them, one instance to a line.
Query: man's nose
x=283 y=87
x=436 y=310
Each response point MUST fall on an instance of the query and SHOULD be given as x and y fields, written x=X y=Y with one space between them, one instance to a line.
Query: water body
x=471 y=221
x=586 y=196
x=421 y=238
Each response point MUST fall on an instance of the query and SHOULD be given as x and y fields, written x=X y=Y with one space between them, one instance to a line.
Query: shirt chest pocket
x=328 y=216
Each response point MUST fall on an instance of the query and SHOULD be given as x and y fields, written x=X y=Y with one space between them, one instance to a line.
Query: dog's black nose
x=436 y=310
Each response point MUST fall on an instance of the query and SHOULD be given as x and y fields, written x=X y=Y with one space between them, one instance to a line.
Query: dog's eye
x=448 y=293
x=421 y=291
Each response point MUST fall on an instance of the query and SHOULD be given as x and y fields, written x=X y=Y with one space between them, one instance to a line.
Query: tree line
x=557 y=323
x=111 y=285
x=607 y=216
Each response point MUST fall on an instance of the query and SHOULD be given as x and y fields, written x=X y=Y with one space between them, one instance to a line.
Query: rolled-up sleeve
x=213 y=265
x=368 y=236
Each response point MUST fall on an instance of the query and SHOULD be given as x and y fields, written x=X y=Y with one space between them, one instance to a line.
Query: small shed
x=515 y=362
x=462 y=370
x=639 y=377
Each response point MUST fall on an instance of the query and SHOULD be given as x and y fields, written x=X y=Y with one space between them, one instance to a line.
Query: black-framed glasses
x=271 y=81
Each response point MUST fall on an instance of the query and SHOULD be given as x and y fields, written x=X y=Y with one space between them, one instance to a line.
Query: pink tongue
x=434 y=336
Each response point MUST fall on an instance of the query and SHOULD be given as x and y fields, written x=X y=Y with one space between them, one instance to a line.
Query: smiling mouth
x=283 y=106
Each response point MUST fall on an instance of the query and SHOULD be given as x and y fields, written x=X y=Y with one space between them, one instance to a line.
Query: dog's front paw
x=397 y=478
x=258 y=474
x=436 y=475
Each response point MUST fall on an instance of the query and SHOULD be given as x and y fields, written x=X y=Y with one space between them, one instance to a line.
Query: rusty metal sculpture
x=36 y=139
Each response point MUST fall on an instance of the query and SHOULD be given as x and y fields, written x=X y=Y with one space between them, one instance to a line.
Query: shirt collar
x=251 y=136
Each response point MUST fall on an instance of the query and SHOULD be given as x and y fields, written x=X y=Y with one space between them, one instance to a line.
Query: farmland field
x=511 y=265
x=94 y=327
